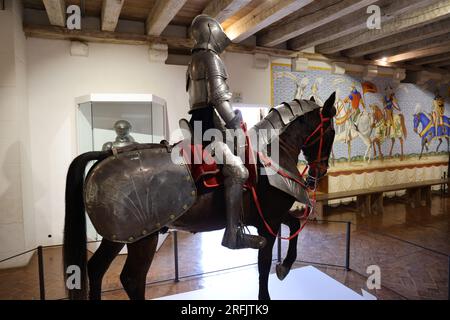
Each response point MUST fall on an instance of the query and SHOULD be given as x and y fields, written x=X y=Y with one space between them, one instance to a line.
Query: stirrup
x=237 y=239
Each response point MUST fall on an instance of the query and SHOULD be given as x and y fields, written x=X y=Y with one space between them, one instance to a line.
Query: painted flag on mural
x=368 y=86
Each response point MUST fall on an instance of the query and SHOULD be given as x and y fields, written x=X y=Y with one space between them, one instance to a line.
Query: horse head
x=318 y=139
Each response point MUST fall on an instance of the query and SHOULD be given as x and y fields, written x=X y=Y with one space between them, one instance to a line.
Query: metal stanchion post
x=175 y=253
x=41 y=273
x=347 y=246
x=279 y=246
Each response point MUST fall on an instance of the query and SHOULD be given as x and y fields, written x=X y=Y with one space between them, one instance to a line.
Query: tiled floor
x=411 y=247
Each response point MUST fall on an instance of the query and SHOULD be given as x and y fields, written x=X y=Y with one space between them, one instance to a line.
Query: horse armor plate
x=136 y=193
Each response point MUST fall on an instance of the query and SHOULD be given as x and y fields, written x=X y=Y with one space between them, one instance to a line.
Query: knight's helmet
x=122 y=128
x=207 y=33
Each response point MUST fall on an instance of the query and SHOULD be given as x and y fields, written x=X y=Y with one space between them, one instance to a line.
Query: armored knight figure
x=438 y=111
x=209 y=99
x=122 y=128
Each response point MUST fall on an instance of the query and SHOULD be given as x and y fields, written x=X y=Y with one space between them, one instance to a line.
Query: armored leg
x=235 y=175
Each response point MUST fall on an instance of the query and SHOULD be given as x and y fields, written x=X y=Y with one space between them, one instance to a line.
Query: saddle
x=204 y=169
x=207 y=175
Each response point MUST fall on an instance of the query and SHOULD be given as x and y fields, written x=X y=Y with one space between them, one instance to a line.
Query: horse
x=428 y=131
x=348 y=131
x=307 y=133
x=397 y=130
x=383 y=130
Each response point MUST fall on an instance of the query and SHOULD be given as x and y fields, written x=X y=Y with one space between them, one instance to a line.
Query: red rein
x=307 y=210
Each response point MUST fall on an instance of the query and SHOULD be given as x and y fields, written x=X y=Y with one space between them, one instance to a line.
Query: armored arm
x=219 y=94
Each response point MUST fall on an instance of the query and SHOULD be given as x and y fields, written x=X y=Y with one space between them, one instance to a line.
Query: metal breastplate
x=204 y=65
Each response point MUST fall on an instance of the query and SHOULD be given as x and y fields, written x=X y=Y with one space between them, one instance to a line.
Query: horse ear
x=328 y=107
x=312 y=99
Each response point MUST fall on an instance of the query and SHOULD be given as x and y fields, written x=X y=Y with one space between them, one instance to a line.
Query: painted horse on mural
x=347 y=130
x=393 y=129
x=428 y=132
x=132 y=193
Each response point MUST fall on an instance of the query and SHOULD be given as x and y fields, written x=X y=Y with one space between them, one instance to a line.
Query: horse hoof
x=281 y=271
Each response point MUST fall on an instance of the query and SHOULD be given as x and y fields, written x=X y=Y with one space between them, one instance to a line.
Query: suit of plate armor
x=209 y=93
x=123 y=139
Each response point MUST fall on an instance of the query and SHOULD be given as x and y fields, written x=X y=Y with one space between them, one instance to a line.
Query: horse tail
x=402 y=121
x=74 y=247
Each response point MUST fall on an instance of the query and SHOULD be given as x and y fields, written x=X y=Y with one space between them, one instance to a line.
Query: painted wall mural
x=376 y=120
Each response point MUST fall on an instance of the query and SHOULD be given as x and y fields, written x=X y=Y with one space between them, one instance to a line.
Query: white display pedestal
x=306 y=283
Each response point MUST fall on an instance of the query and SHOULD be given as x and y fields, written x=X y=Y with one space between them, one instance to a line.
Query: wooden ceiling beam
x=417 y=18
x=422 y=33
x=432 y=59
x=420 y=53
x=221 y=10
x=161 y=14
x=350 y=24
x=110 y=14
x=419 y=45
x=307 y=23
x=262 y=16
x=56 y=11
x=185 y=44
x=59 y=33
x=442 y=63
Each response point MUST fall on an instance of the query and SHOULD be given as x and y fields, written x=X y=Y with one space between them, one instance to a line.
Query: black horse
x=302 y=134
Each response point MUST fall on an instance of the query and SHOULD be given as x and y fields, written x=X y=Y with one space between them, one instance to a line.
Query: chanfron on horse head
x=133 y=189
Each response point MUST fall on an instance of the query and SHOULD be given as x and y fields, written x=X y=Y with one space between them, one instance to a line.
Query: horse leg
x=374 y=149
x=134 y=273
x=379 y=150
x=349 y=146
x=392 y=147
x=439 y=144
x=264 y=264
x=401 y=148
x=283 y=268
x=421 y=150
x=98 y=264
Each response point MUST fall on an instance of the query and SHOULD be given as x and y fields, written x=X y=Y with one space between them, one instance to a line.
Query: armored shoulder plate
x=206 y=80
x=215 y=66
x=206 y=64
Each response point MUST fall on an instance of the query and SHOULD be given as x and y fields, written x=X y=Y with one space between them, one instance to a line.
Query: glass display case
x=97 y=114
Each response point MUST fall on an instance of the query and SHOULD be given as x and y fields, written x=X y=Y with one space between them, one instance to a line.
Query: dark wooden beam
x=262 y=16
x=403 y=38
x=351 y=24
x=419 y=45
x=221 y=10
x=431 y=59
x=314 y=20
x=59 y=33
x=185 y=44
x=442 y=63
x=417 y=18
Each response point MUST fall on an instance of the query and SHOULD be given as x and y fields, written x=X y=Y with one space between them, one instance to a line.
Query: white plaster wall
x=55 y=79
x=252 y=83
x=17 y=228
